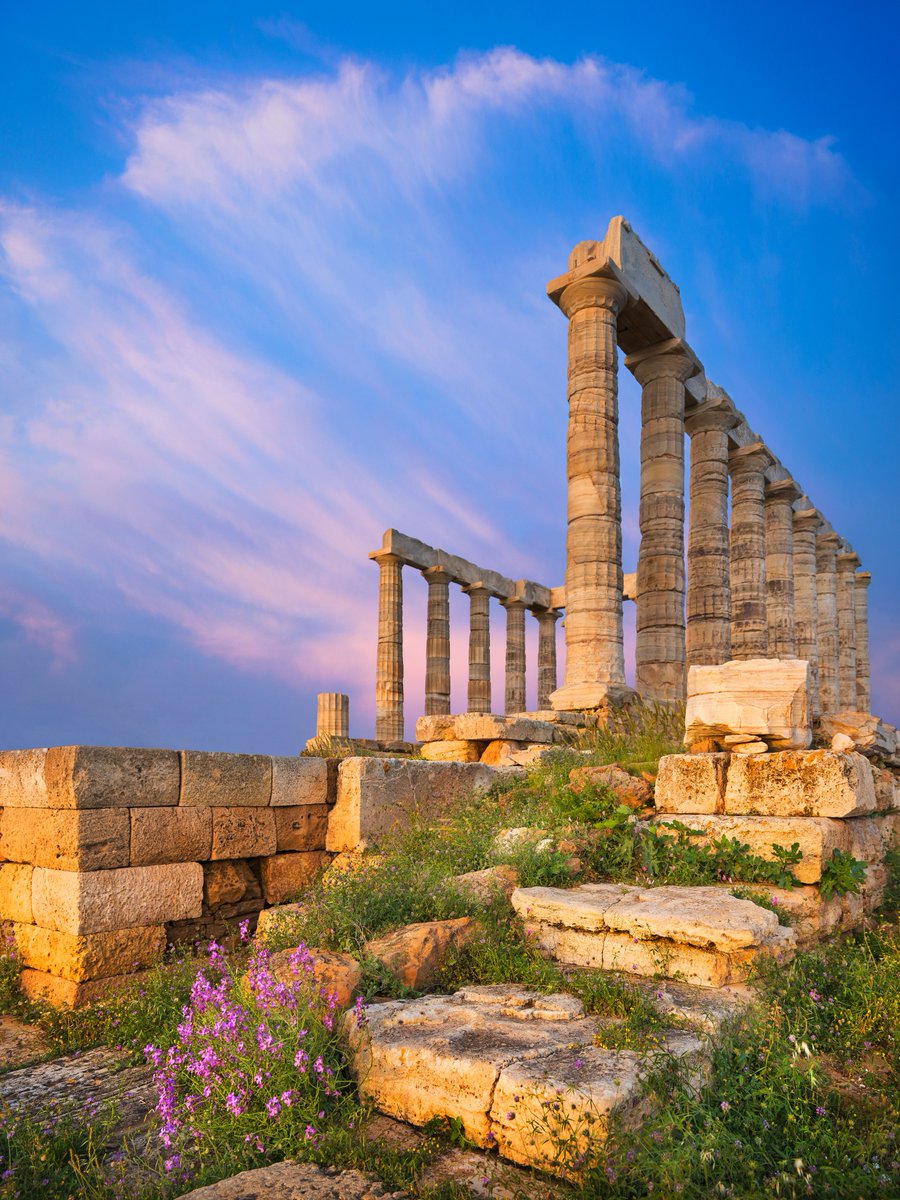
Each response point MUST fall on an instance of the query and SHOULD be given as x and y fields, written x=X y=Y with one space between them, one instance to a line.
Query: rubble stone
x=451 y=750
x=484 y=885
x=764 y=697
x=627 y=789
x=332 y=971
x=295 y=1181
x=416 y=953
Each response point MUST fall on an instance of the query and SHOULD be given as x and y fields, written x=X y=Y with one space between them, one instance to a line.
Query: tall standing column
x=660 y=625
x=847 y=562
x=749 y=629
x=389 y=661
x=479 y=648
x=514 y=693
x=861 y=581
x=780 y=496
x=806 y=524
x=546 y=656
x=826 y=603
x=708 y=587
x=437 y=642
x=595 y=662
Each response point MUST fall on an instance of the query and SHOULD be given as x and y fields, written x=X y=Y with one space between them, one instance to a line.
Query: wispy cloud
x=39 y=624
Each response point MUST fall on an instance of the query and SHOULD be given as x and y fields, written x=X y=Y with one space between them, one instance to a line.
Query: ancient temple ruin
x=766 y=576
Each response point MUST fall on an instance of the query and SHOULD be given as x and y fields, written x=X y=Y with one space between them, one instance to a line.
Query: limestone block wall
x=109 y=854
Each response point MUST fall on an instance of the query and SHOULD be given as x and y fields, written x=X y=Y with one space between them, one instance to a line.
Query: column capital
x=710 y=415
x=862 y=579
x=591 y=291
x=785 y=490
x=437 y=574
x=385 y=556
x=749 y=459
x=514 y=602
x=807 y=520
x=478 y=588
x=847 y=558
x=828 y=541
x=671 y=359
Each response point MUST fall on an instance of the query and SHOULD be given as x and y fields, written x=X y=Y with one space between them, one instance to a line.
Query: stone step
x=702 y=935
x=519 y=1070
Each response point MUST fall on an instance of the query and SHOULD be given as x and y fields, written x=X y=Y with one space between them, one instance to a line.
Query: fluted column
x=749 y=632
x=332 y=715
x=389 y=661
x=780 y=567
x=479 y=648
x=861 y=582
x=514 y=693
x=708 y=635
x=806 y=524
x=595 y=662
x=660 y=625
x=826 y=604
x=437 y=642
x=546 y=656
x=847 y=562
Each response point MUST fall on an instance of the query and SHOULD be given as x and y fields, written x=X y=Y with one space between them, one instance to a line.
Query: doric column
x=749 y=637
x=389 y=661
x=780 y=566
x=332 y=715
x=806 y=524
x=659 y=646
x=437 y=642
x=708 y=584
x=861 y=582
x=595 y=662
x=514 y=692
x=479 y=648
x=827 y=634
x=546 y=656
x=847 y=562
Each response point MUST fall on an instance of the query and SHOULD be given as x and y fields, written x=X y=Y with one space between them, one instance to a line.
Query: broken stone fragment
x=416 y=953
x=765 y=698
x=627 y=789
x=691 y=783
x=510 y=841
x=485 y=885
x=452 y=750
x=339 y=974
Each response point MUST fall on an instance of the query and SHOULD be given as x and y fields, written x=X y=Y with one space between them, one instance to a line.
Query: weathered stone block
x=285 y=875
x=89 y=777
x=376 y=795
x=416 y=953
x=242 y=832
x=159 y=836
x=339 y=974
x=871 y=736
x=299 y=781
x=301 y=827
x=870 y=837
x=15 y=893
x=691 y=783
x=69 y=993
x=484 y=727
x=451 y=751
x=96 y=901
x=91 y=955
x=484 y=886
x=499 y=753
x=88 y=840
x=800 y=783
x=768 y=698
x=817 y=837
x=225 y=780
x=229 y=882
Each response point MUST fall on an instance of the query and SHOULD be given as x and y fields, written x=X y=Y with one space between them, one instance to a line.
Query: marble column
x=806 y=524
x=514 y=692
x=479 y=648
x=546 y=656
x=847 y=562
x=861 y=582
x=660 y=624
x=595 y=663
x=389 y=661
x=437 y=642
x=332 y=715
x=708 y=585
x=827 y=634
x=749 y=627
x=779 y=497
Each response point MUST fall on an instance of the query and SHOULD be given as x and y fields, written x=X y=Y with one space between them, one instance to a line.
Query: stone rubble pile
x=511 y=741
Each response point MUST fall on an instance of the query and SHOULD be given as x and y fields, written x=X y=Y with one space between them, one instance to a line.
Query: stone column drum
x=749 y=626
x=847 y=562
x=861 y=582
x=806 y=524
x=546 y=656
x=780 y=496
x=389 y=661
x=708 y=586
x=514 y=694
x=660 y=625
x=479 y=648
x=332 y=715
x=595 y=663
x=437 y=643
x=826 y=602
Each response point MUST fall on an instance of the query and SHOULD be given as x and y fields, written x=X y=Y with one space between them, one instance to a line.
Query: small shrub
x=842 y=874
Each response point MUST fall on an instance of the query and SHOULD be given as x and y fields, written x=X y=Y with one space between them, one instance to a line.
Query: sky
x=272 y=280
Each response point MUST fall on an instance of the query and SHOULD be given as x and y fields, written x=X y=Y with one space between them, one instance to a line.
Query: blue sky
x=272 y=279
